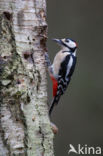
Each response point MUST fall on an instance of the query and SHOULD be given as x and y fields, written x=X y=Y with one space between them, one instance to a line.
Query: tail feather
x=51 y=107
x=54 y=102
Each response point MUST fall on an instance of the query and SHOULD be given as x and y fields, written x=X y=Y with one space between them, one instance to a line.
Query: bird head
x=67 y=43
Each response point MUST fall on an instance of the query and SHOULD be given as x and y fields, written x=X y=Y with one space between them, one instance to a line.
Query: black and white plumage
x=62 y=68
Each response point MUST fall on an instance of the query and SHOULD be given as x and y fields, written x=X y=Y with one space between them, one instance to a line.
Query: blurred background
x=79 y=114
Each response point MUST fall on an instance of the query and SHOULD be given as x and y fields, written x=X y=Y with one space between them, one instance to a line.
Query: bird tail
x=51 y=107
x=54 y=102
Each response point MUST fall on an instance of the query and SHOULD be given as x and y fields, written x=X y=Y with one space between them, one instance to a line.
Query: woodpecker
x=62 y=68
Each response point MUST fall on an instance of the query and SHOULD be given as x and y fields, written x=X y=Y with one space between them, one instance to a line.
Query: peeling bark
x=24 y=123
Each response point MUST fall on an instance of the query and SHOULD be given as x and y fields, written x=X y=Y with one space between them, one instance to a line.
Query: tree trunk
x=24 y=123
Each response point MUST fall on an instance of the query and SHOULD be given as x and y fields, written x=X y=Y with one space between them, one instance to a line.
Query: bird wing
x=61 y=84
x=62 y=76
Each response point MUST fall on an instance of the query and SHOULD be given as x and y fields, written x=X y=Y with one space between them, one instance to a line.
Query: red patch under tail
x=55 y=85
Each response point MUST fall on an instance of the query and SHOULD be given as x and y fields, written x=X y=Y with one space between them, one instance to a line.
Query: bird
x=62 y=68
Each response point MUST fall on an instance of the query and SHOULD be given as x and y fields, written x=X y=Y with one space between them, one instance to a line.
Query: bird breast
x=57 y=62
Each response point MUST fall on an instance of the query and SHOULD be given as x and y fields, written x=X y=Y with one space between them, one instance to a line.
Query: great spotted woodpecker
x=62 y=68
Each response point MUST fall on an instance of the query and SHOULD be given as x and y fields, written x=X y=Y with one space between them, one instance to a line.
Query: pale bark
x=24 y=123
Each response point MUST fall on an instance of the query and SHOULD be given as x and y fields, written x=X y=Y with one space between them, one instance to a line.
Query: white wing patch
x=69 y=66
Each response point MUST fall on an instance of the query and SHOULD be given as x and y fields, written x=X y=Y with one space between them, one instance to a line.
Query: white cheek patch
x=71 y=44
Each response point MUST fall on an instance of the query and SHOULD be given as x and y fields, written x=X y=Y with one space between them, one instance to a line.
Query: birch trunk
x=24 y=123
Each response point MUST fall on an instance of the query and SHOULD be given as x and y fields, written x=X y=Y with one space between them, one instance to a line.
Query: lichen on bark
x=24 y=122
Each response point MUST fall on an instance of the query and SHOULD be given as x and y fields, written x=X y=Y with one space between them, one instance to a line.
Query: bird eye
x=67 y=40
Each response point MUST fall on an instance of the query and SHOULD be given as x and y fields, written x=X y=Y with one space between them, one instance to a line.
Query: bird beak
x=57 y=40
